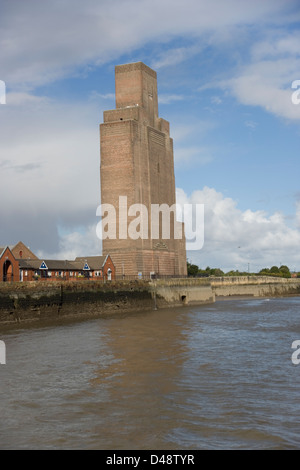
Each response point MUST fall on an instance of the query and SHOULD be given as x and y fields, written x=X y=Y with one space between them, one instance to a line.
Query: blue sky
x=225 y=72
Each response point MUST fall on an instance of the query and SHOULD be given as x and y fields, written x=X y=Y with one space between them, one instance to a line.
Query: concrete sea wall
x=177 y=292
x=44 y=301
x=257 y=286
x=36 y=301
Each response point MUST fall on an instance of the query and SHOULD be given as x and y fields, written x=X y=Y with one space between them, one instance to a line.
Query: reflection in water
x=215 y=376
x=147 y=355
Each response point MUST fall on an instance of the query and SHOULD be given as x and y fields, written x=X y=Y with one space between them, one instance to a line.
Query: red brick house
x=9 y=265
x=22 y=251
x=89 y=267
x=9 y=256
x=18 y=263
x=97 y=266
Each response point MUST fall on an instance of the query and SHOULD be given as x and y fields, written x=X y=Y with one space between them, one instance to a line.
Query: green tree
x=192 y=269
x=274 y=270
x=216 y=272
x=203 y=273
x=264 y=271
x=284 y=270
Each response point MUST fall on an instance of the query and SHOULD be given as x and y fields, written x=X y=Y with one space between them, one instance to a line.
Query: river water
x=218 y=376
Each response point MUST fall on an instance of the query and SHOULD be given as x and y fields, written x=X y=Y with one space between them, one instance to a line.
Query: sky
x=229 y=84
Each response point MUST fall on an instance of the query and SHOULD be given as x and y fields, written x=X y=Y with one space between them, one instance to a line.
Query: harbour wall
x=256 y=286
x=43 y=301
x=178 y=292
x=40 y=301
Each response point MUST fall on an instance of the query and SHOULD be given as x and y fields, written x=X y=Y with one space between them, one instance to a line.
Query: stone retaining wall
x=257 y=286
x=41 y=301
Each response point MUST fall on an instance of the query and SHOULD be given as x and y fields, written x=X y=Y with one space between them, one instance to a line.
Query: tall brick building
x=137 y=162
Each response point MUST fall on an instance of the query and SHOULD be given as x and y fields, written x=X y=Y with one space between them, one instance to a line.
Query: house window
x=20 y=254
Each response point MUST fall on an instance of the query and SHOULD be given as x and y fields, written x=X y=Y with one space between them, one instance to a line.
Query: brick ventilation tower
x=137 y=162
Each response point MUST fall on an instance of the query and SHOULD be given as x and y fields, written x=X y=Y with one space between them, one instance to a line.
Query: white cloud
x=43 y=41
x=167 y=99
x=80 y=242
x=255 y=88
x=278 y=44
x=267 y=80
x=23 y=98
x=234 y=238
x=50 y=157
x=175 y=56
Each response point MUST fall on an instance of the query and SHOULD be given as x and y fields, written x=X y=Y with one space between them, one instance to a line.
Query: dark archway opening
x=7 y=271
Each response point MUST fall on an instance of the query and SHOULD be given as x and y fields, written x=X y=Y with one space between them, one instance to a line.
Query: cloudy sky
x=227 y=79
